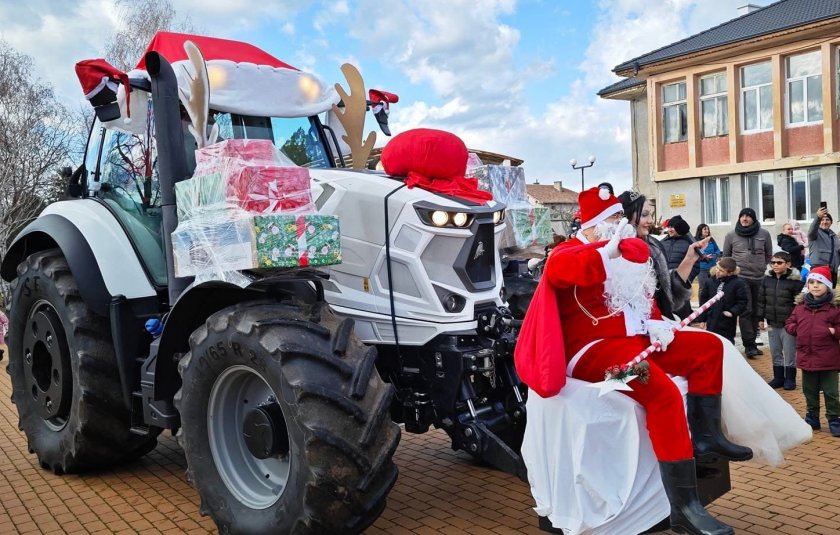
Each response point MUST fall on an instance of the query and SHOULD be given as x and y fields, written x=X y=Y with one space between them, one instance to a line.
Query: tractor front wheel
x=285 y=423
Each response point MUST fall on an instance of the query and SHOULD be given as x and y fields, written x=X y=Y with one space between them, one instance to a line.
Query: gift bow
x=273 y=196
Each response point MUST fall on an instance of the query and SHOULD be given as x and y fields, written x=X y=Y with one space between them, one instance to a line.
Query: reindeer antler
x=198 y=102
x=352 y=117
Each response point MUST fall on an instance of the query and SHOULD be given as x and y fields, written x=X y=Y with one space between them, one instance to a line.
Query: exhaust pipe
x=172 y=164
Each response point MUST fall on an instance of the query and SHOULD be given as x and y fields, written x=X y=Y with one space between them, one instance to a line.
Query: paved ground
x=438 y=491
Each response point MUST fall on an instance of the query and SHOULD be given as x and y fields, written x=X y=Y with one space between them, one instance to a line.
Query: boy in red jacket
x=815 y=322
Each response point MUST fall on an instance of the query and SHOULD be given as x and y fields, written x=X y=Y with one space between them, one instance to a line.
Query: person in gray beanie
x=752 y=248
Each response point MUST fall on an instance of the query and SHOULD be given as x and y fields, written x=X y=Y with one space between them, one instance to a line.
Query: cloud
x=331 y=12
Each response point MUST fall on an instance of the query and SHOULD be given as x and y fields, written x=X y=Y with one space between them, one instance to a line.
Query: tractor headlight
x=498 y=217
x=440 y=218
x=451 y=301
x=460 y=219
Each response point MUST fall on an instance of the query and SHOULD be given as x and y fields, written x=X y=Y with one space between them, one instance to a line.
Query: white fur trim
x=102 y=83
x=817 y=276
x=607 y=212
x=251 y=89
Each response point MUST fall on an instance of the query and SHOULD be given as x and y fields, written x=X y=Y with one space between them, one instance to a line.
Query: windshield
x=298 y=138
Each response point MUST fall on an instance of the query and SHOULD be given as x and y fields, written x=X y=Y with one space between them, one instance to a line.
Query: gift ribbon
x=303 y=251
x=272 y=197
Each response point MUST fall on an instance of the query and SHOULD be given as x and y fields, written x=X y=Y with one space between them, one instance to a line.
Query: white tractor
x=284 y=405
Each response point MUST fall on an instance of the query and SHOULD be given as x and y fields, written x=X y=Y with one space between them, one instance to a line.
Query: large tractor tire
x=285 y=422
x=65 y=381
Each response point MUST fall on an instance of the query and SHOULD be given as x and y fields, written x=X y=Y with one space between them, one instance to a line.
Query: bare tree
x=139 y=21
x=37 y=136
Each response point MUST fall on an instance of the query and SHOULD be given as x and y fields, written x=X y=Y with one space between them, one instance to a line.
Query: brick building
x=742 y=114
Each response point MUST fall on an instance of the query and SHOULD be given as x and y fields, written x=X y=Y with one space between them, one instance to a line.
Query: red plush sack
x=433 y=160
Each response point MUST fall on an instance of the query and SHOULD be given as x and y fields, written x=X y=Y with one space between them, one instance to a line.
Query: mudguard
x=98 y=252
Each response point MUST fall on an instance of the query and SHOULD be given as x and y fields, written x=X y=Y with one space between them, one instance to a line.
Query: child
x=722 y=317
x=780 y=286
x=815 y=322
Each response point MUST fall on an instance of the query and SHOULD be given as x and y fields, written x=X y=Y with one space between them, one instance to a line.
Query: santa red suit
x=572 y=329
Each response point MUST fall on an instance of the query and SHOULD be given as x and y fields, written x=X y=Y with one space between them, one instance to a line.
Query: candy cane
x=628 y=372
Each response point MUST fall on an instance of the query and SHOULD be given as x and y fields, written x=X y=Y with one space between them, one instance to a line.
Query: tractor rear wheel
x=285 y=422
x=64 y=374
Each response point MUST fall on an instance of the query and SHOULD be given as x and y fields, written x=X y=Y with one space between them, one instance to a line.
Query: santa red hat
x=822 y=274
x=596 y=205
x=100 y=81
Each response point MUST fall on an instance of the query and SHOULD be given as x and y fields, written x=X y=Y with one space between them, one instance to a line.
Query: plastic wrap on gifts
x=199 y=194
x=527 y=227
x=506 y=183
x=208 y=249
x=297 y=240
x=248 y=150
x=269 y=189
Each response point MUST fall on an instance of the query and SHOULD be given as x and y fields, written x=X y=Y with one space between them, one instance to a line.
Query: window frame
x=804 y=79
x=721 y=209
x=682 y=109
x=718 y=98
x=809 y=209
x=758 y=204
x=757 y=89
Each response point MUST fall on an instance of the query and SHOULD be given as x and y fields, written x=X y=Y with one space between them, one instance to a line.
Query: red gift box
x=269 y=189
x=249 y=150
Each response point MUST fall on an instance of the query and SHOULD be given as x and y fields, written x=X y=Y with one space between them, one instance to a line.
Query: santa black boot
x=687 y=513
x=708 y=439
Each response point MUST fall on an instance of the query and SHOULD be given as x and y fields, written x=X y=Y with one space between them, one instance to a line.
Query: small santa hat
x=596 y=205
x=822 y=274
x=381 y=107
x=100 y=81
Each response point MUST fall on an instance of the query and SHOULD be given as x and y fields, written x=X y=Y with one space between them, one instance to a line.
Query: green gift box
x=284 y=241
x=199 y=194
x=527 y=227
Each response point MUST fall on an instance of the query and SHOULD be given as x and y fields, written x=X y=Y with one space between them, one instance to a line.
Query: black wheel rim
x=46 y=365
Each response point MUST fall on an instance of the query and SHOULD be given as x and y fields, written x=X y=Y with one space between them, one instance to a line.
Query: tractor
x=284 y=387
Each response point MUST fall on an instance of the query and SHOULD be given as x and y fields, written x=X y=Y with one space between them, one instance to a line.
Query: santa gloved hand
x=611 y=248
x=660 y=331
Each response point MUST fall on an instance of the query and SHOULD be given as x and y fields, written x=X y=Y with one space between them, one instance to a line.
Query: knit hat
x=748 y=211
x=679 y=224
x=822 y=274
x=596 y=205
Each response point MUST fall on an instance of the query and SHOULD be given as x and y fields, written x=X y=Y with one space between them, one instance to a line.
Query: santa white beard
x=630 y=287
x=605 y=230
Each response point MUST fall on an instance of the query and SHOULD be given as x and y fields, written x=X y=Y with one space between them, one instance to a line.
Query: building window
x=804 y=88
x=804 y=193
x=757 y=97
x=675 y=113
x=758 y=195
x=713 y=105
x=716 y=200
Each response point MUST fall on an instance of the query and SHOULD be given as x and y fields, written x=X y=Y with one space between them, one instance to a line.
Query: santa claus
x=594 y=309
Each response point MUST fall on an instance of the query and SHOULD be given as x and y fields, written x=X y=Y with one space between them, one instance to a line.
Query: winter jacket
x=675 y=248
x=822 y=247
x=751 y=253
x=793 y=247
x=713 y=251
x=816 y=348
x=776 y=296
x=736 y=299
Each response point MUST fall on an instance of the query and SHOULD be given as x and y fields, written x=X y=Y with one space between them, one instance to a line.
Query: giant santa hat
x=245 y=79
x=596 y=205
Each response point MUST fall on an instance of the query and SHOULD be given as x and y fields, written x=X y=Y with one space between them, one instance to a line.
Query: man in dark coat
x=751 y=247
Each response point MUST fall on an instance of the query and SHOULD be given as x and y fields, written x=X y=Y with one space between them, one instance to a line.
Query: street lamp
x=574 y=164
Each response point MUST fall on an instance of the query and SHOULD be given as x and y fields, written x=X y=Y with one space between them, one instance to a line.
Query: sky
x=514 y=77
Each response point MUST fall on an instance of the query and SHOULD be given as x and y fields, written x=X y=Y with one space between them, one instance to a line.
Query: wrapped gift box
x=206 y=246
x=248 y=150
x=506 y=183
x=527 y=227
x=297 y=241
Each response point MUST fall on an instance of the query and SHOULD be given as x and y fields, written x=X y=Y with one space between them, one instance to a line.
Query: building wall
x=679 y=168
x=642 y=176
